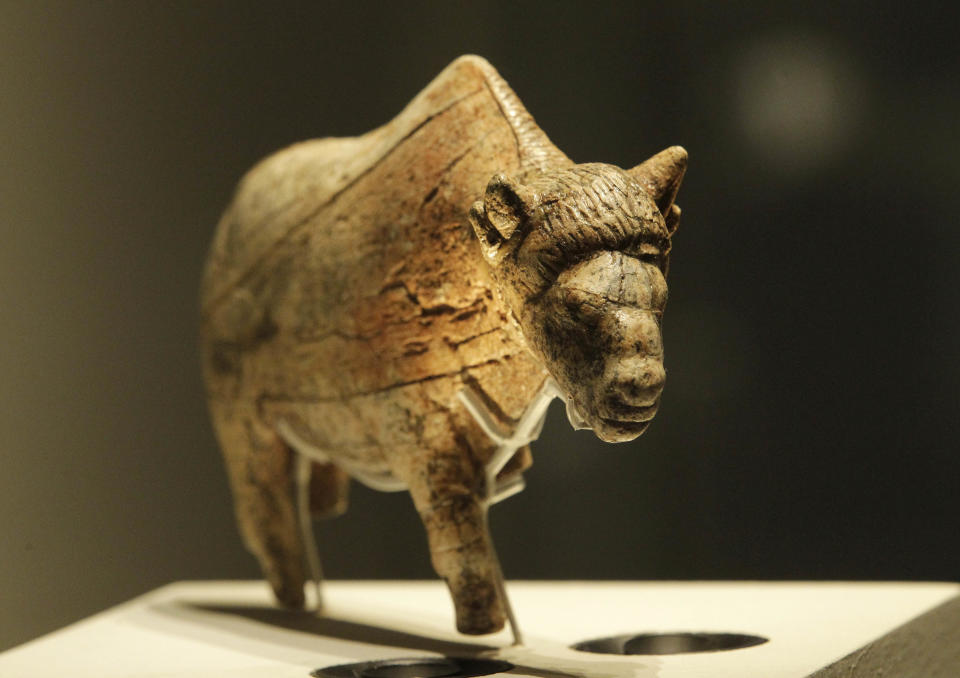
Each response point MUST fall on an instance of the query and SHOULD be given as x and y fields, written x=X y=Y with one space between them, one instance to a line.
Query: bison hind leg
x=261 y=467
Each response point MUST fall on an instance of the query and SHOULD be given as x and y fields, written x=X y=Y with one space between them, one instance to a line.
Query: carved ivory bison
x=374 y=307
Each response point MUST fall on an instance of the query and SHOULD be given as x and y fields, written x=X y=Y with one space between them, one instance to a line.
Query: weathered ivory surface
x=356 y=286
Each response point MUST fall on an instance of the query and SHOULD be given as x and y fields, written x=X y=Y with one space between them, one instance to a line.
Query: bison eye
x=583 y=307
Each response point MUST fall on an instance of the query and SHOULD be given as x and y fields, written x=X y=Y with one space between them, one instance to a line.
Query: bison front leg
x=447 y=496
x=462 y=554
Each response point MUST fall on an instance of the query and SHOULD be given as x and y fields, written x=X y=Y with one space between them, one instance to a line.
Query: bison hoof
x=479 y=609
x=288 y=595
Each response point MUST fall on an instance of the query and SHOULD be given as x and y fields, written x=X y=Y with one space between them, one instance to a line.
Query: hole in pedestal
x=669 y=643
x=416 y=667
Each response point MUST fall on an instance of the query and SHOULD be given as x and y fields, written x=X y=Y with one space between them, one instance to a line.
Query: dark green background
x=809 y=425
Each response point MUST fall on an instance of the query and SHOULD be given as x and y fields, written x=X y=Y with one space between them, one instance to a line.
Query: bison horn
x=506 y=205
x=660 y=176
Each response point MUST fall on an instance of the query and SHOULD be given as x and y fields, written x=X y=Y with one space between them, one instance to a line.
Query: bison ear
x=672 y=219
x=660 y=176
x=506 y=205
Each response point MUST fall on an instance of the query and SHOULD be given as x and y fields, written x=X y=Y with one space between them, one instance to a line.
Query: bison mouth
x=617 y=431
x=619 y=411
x=618 y=422
x=624 y=422
x=637 y=426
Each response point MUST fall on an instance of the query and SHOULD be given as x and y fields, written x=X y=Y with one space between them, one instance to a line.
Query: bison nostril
x=638 y=385
x=638 y=394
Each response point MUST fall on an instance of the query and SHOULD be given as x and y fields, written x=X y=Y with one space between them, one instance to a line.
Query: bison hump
x=296 y=184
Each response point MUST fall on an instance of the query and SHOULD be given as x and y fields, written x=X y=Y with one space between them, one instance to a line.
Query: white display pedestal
x=232 y=630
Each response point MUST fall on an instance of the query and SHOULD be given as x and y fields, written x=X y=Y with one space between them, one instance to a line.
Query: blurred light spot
x=798 y=101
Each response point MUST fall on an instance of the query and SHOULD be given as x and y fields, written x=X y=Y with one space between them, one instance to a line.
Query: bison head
x=580 y=255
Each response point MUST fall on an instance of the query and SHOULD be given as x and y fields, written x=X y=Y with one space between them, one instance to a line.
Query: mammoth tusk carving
x=354 y=283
